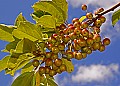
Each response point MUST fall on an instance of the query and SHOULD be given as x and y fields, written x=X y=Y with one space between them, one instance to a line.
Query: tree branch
x=102 y=13
x=111 y=9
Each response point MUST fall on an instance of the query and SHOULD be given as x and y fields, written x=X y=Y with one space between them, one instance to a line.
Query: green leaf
x=3 y=63
x=51 y=82
x=115 y=17
x=38 y=78
x=15 y=67
x=82 y=18
x=11 y=45
x=39 y=13
x=47 y=81
x=33 y=81
x=11 y=63
x=15 y=55
x=45 y=36
x=25 y=79
x=69 y=65
x=52 y=8
x=21 y=62
x=6 y=33
x=47 y=30
x=47 y=21
x=25 y=46
x=19 y=19
x=28 y=30
x=27 y=68
x=63 y=5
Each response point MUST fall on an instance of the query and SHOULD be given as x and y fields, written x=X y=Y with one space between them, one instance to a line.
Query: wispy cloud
x=101 y=3
x=91 y=74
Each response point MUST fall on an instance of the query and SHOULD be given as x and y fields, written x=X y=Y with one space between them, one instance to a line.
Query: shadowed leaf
x=29 y=31
x=25 y=79
x=4 y=62
x=69 y=65
x=115 y=17
x=19 y=19
x=6 y=33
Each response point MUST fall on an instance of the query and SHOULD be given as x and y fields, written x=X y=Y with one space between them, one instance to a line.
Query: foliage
x=29 y=42
x=115 y=17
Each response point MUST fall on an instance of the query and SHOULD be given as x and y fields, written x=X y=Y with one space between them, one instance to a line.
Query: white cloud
x=101 y=3
x=56 y=79
x=95 y=73
x=106 y=29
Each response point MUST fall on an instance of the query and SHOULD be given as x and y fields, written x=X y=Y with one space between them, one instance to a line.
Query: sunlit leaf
x=27 y=68
x=11 y=63
x=3 y=63
x=39 y=13
x=45 y=36
x=63 y=5
x=47 y=81
x=47 y=30
x=47 y=21
x=11 y=45
x=29 y=31
x=115 y=17
x=21 y=62
x=51 y=8
x=82 y=18
x=19 y=19
x=69 y=65
x=25 y=46
x=25 y=79
x=6 y=33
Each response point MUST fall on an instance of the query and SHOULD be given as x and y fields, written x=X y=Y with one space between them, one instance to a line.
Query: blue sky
x=98 y=69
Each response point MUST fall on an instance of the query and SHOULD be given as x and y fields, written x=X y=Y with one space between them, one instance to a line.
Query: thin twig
x=102 y=13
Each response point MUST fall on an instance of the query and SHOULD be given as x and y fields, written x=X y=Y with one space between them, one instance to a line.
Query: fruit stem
x=104 y=12
x=111 y=9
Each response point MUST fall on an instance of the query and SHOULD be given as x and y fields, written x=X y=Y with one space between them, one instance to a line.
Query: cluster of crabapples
x=75 y=40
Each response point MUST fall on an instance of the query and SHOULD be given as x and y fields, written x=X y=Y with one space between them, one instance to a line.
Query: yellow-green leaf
x=19 y=19
x=47 y=81
x=47 y=21
x=63 y=5
x=115 y=17
x=4 y=62
x=25 y=46
x=51 y=8
x=25 y=79
x=82 y=18
x=51 y=82
x=27 y=68
x=6 y=33
x=38 y=77
x=38 y=14
x=21 y=62
x=29 y=31
x=11 y=63
x=11 y=45
x=69 y=65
